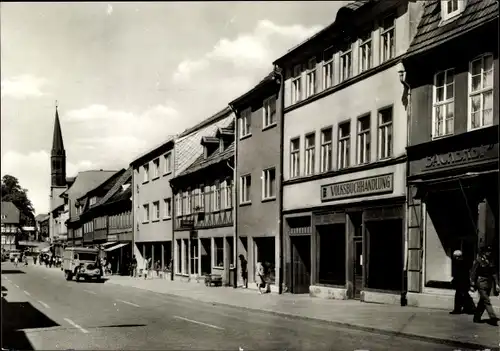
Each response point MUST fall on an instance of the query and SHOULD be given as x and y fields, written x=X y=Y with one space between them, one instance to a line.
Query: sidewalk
x=427 y=324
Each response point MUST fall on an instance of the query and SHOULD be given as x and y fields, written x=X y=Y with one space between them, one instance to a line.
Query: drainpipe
x=174 y=218
x=281 y=100
x=407 y=88
x=235 y=198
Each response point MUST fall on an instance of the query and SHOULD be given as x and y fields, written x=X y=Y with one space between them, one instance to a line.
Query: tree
x=13 y=192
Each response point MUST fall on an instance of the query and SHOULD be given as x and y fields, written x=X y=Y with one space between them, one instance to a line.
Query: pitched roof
x=11 y=213
x=264 y=81
x=430 y=33
x=151 y=152
x=126 y=176
x=42 y=217
x=113 y=177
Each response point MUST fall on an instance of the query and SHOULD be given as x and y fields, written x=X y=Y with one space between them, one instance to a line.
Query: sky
x=128 y=75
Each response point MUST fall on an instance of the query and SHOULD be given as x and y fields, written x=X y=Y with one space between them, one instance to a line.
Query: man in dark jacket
x=461 y=283
x=483 y=278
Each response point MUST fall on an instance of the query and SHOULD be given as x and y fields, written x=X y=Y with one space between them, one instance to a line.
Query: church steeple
x=58 y=155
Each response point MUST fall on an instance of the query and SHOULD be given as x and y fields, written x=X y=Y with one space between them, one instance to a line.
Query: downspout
x=281 y=99
x=407 y=90
x=174 y=218
x=235 y=197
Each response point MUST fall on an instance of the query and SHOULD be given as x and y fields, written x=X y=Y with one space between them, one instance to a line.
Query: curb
x=436 y=340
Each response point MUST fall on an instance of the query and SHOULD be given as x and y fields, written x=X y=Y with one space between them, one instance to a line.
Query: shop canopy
x=109 y=243
x=115 y=247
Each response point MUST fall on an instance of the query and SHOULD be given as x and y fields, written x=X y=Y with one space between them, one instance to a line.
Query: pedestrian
x=261 y=278
x=146 y=267
x=34 y=259
x=133 y=266
x=244 y=270
x=16 y=261
x=483 y=278
x=157 y=268
x=461 y=283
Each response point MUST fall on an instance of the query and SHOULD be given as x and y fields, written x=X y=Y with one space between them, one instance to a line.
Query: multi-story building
x=344 y=163
x=42 y=226
x=452 y=72
x=203 y=190
x=10 y=217
x=152 y=204
x=257 y=159
x=84 y=182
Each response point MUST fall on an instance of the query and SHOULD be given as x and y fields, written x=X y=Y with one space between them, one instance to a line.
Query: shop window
x=384 y=269
x=230 y=247
x=194 y=256
x=332 y=256
x=218 y=252
x=265 y=253
x=185 y=256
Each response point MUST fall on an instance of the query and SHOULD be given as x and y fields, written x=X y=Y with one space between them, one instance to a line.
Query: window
x=365 y=51
x=245 y=187
x=346 y=63
x=146 y=173
x=310 y=153
x=217 y=197
x=156 y=168
x=344 y=140
x=145 y=213
x=326 y=150
x=269 y=184
x=364 y=139
x=328 y=69
x=218 y=252
x=481 y=92
x=269 y=109
x=311 y=78
x=167 y=165
x=178 y=205
x=245 y=122
x=167 y=208
x=451 y=8
x=227 y=195
x=295 y=157
x=444 y=103
x=296 y=88
x=186 y=201
x=387 y=39
x=93 y=200
x=385 y=133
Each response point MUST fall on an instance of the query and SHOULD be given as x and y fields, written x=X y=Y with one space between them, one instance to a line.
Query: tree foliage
x=13 y=192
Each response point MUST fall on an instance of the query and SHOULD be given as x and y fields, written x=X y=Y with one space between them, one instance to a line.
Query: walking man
x=461 y=283
x=244 y=270
x=484 y=278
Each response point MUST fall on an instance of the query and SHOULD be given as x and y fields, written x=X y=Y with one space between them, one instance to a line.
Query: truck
x=81 y=262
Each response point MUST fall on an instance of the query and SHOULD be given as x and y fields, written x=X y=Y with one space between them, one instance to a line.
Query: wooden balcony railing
x=205 y=220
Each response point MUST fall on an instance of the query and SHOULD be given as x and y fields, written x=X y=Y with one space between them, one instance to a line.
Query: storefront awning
x=467 y=175
x=115 y=247
x=109 y=243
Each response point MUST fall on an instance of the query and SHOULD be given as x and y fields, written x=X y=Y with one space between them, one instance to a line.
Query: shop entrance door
x=194 y=257
x=358 y=267
x=206 y=257
x=301 y=264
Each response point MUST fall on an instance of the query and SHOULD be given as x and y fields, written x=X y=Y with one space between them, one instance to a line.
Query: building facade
x=344 y=163
x=152 y=204
x=453 y=152
x=204 y=212
x=257 y=159
x=10 y=217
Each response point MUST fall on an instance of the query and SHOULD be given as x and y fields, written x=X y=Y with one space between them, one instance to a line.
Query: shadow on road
x=12 y=271
x=17 y=316
x=123 y=326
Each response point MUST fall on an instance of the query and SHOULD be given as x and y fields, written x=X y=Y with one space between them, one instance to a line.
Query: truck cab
x=81 y=262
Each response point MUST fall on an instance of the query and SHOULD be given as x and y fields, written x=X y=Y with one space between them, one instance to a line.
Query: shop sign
x=112 y=237
x=460 y=157
x=361 y=187
x=187 y=223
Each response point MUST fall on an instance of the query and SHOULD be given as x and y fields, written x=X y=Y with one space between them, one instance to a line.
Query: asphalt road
x=41 y=310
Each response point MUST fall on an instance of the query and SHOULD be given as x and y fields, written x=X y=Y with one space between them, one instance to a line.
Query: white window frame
x=310 y=154
x=268 y=190
x=296 y=89
x=156 y=168
x=363 y=141
x=328 y=69
x=245 y=122
x=460 y=6
x=269 y=112
x=245 y=193
x=217 y=198
x=481 y=92
x=446 y=102
x=156 y=210
x=167 y=208
x=386 y=34
x=344 y=147
x=167 y=163
x=294 y=159
x=227 y=195
x=346 y=55
x=383 y=128
x=145 y=213
x=326 y=162
x=367 y=43
x=145 y=169
x=178 y=205
x=311 y=78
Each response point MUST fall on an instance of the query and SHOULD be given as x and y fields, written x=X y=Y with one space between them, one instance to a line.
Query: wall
x=55 y=201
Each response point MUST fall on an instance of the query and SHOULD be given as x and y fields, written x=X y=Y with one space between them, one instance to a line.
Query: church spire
x=58 y=155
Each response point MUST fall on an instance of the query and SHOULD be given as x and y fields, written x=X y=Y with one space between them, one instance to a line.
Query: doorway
x=301 y=264
x=206 y=257
x=194 y=256
x=358 y=267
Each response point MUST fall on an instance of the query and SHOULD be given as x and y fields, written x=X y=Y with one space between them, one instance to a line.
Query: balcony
x=205 y=220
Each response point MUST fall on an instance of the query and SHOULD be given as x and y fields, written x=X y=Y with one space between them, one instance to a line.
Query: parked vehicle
x=81 y=262
x=13 y=254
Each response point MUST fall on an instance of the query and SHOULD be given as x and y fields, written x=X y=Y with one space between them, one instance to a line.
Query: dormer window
x=452 y=8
